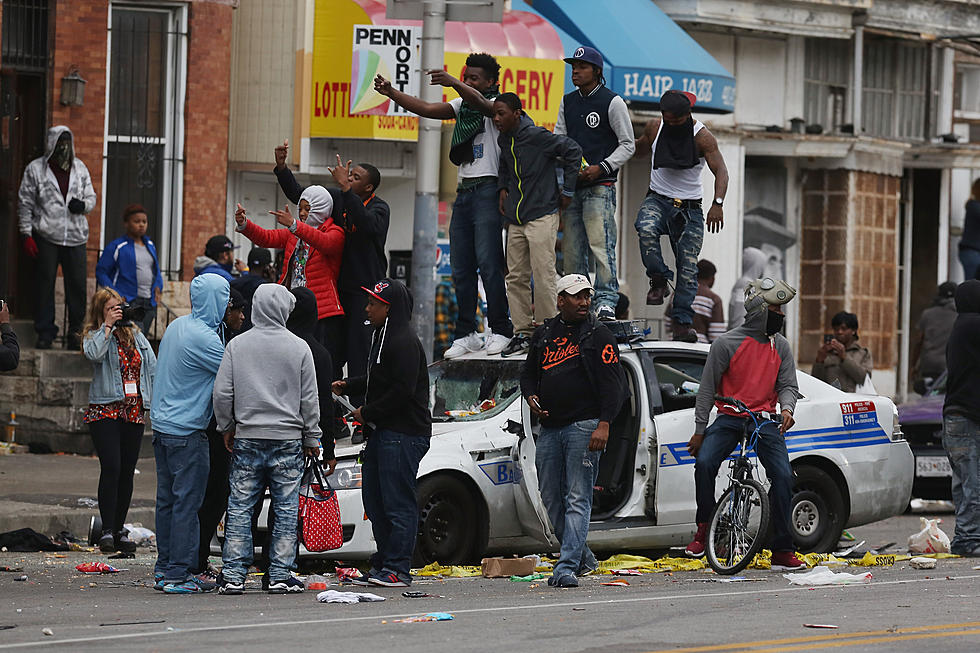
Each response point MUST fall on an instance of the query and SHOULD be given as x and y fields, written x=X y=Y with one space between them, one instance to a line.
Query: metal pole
x=427 y=180
x=857 y=79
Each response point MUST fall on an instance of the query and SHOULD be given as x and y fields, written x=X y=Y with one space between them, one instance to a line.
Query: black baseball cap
x=259 y=256
x=218 y=244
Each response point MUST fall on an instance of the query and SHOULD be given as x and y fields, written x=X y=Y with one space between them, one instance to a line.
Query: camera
x=827 y=337
x=131 y=314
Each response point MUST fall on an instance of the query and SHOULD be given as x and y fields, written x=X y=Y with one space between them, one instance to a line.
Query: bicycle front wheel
x=738 y=527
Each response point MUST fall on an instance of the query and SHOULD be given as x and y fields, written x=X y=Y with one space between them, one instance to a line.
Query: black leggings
x=117 y=444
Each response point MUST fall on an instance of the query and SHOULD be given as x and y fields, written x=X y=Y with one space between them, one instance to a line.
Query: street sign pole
x=427 y=179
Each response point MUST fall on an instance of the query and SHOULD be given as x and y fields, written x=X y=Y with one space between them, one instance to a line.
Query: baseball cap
x=672 y=101
x=573 y=284
x=218 y=244
x=380 y=291
x=586 y=54
x=236 y=299
x=947 y=289
x=259 y=256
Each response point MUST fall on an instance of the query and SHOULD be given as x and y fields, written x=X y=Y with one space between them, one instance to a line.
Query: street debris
x=919 y=562
x=626 y=572
x=616 y=583
x=88 y=502
x=315 y=582
x=141 y=536
x=527 y=579
x=97 y=568
x=135 y=623
x=6 y=568
x=421 y=595
x=821 y=575
x=639 y=563
x=820 y=626
x=348 y=574
x=21 y=578
x=47 y=631
x=28 y=540
x=508 y=567
x=122 y=555
x=454 y=571
x=849 y=550
x=432 y=616
x=333 y=596
x=931 y=539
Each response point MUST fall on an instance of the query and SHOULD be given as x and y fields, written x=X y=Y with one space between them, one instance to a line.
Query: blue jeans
x=389 y=466
x=183 y=462
x=970 y=260
x=720 y=439
x=961 y=439
x=256 y=464
x=685 y=229
x=590 y=226
x=476 y=244
x=567 y=472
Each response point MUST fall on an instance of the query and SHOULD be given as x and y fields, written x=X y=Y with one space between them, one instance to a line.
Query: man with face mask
x=753 y=364
x=680 y=148
x=55 y=194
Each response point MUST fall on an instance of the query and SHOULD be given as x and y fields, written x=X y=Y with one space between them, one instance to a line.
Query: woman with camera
x=121 y=390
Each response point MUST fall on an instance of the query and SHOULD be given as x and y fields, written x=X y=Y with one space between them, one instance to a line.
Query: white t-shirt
x=486 y=149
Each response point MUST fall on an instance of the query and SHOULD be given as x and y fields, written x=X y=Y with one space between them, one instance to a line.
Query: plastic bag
x=821 y=575
x=931 y=539
x=316 y=582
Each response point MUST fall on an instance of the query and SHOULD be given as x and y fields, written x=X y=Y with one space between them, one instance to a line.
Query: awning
x=646 y=52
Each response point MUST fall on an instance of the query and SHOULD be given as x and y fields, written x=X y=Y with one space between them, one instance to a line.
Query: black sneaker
x=518 y=345
x=107 y=543
x=226 y=586
x=123 y=543
x=568 y=580
x=291 y=585
x=605 y=314
x=388 y=580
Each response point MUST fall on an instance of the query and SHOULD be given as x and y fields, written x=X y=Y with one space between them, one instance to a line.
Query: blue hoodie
x=190 y=354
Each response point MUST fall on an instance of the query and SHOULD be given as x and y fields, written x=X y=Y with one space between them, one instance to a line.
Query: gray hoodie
x=266 y=386
x=41 y=208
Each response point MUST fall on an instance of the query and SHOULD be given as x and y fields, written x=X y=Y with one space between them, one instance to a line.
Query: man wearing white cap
x=573 y=382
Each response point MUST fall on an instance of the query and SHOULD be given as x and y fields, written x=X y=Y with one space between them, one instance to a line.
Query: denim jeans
x=720 y=439
x=182 y=476
x=590 y=226
x=685 y=229
x=567 y=472
x=256 y=464
x=961 y=439
x=970 y=260
x=389 y=466
x=476 y=243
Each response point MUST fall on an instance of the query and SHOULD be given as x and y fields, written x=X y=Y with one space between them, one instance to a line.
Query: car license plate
x=932 y=466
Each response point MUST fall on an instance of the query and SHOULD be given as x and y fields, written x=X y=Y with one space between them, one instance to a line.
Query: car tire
x=448 y=522
x=817 y=513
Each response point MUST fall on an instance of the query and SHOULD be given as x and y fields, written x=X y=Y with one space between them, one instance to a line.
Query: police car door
x=530 y=508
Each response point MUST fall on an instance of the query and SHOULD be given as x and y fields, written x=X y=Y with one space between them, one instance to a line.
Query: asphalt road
x=902 y=609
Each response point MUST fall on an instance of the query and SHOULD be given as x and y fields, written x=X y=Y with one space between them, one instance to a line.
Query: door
x=530 y=508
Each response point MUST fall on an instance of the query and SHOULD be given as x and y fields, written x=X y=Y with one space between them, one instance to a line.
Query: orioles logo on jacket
x=609 y=355
x=558 y=352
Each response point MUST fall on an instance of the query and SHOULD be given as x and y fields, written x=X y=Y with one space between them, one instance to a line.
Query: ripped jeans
x=567 y=472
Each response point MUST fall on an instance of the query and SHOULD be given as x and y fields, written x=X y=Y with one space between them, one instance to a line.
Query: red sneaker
x=696 y=548
x=786 y=561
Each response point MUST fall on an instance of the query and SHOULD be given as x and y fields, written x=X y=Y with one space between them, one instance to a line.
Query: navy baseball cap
x=585 y=54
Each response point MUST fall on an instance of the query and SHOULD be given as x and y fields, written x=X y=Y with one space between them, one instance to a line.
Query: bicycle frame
x=741 y=467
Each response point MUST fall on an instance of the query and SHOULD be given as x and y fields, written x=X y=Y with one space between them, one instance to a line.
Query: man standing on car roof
x=574 y=383
x=599 y=121
x=753 y=364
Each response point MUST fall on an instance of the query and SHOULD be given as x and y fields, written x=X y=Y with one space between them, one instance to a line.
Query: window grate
x=25 y=35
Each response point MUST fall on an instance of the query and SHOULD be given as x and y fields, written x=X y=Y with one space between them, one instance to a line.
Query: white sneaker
x=465 y=345
x=496 y=343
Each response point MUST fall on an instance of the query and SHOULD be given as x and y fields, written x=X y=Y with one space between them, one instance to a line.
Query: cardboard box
x=506 y=567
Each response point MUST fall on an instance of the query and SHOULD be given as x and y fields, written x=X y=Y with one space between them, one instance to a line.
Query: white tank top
x=679 y=184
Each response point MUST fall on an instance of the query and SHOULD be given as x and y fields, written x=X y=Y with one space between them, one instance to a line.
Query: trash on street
x=432 y=616
x=821 y=575
x=97 y=568
x=454 y=571
x=333 y=596
x=526 y=579
x=931 y=539
x=920 y=562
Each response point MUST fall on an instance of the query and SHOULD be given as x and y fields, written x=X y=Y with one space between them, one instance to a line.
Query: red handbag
x=319 y=512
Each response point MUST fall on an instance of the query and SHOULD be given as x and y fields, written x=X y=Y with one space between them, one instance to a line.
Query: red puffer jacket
x=323 y=267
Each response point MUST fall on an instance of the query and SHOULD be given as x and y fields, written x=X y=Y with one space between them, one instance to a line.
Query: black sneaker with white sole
x=388 y=580
x=289 y=586
x=518 y=345
x=226 y=586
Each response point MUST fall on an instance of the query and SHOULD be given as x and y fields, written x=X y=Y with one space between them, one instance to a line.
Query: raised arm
x=470 y=95
x=438 y=110
x=290 y=187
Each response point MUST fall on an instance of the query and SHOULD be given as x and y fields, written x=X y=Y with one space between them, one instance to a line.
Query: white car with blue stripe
x=478 y=486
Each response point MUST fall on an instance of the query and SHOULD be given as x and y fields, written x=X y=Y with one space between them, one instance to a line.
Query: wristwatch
x=719 y=201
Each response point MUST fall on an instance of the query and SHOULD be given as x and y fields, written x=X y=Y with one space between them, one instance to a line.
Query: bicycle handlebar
x=742 y=408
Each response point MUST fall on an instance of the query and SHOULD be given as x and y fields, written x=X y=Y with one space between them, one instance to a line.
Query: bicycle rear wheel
x=738 y=527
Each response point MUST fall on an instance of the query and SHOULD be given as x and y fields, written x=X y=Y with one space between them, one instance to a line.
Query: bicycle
x=740 y=519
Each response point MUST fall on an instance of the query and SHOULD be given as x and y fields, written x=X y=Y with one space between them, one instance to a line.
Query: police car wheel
x=817 y=513
x=447 y=522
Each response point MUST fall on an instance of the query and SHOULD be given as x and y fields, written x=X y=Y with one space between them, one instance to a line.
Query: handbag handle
x=313 y=466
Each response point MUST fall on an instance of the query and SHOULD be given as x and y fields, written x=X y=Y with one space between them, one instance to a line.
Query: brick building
x=152 y=129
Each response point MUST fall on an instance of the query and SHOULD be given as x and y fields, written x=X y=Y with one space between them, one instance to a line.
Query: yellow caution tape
x=872 y=560
x=666 y=563
x=452 y=571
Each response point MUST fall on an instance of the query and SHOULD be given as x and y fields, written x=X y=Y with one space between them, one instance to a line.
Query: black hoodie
x=302 y=322
x=963 y=354
x=397 y=379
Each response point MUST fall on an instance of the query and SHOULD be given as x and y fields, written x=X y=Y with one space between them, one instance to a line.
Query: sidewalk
x=43 y=491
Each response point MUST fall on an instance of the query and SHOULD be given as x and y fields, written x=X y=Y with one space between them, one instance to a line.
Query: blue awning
x=646 y=52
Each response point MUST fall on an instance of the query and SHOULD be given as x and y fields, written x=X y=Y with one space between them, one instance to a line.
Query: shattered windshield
x=467 y=390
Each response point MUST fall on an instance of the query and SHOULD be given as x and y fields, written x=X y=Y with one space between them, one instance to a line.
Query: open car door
x=530 y=508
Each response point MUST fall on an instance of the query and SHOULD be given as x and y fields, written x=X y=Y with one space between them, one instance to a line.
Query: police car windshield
x=469 y=390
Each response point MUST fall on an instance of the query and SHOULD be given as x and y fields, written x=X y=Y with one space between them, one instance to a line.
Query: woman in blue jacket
x=129 y=265
x=121 y=391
